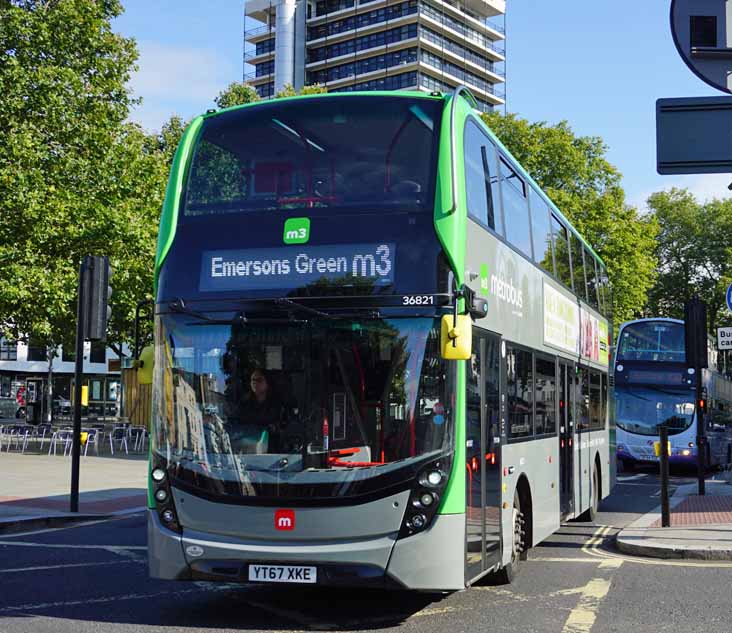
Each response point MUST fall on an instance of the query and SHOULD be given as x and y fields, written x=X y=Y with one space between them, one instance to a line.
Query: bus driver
x=262 y=410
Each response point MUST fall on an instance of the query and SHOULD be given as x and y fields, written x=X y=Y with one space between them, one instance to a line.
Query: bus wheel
x=591 y=513
x=508 y=573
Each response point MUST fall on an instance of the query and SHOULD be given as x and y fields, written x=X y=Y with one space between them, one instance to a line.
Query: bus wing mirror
x=456 y=337
x=478 y=308
x=145 y=365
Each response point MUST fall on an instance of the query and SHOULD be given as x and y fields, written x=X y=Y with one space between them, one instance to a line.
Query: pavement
x=701 y=526
x=35 y=488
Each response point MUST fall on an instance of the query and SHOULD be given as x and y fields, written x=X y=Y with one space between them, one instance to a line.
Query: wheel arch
x=598 y=467
x=523 y=487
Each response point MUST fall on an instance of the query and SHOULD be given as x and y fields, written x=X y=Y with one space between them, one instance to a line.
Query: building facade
x=24 y=380
x=346 y=45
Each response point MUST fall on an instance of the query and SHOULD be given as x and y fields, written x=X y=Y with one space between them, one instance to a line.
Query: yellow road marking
x=434 y=611
x=567 y=592
x=597 y=538
x=583 y=616
x=612 y=559
x=611 y=563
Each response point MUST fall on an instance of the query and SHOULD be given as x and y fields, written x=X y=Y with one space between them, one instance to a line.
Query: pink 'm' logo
x=284 y=520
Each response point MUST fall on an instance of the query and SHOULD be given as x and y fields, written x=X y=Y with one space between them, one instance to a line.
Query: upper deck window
x=362 y=153
x=481 y=178
x=541 y=232
x=515 y=209
x=561 y=252
x=652 y=341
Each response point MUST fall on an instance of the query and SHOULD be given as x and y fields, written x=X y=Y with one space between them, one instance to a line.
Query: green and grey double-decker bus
x=381 y=352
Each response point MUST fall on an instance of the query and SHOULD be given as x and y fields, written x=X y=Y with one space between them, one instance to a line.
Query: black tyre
x=591 y=513
x=508 y=573
x=628 y=465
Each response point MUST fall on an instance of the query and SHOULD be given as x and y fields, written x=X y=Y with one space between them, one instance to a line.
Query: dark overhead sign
x=694 y=135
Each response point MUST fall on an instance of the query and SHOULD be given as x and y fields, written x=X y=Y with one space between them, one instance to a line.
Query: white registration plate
x=282 y=573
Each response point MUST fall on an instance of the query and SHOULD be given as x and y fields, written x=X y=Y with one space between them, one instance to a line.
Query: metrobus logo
x=297 y=231
x=284 y=520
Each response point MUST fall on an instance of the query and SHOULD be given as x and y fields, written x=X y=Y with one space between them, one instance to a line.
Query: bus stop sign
x=694 y=135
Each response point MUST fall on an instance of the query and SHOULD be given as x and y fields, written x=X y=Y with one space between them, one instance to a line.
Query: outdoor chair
x=15 y=434
x=119 y=435
x=92 y=437
x=64 y=436
x=138 y=435
x=38 y=433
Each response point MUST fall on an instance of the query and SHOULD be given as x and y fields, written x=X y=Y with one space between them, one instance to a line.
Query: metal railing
x=461 y=51
x=260 y=30
x=459 y=27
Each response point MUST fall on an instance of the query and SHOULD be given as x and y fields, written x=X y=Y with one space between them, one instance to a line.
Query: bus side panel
x=538 y=461
x=599 y=448
x=433 y=560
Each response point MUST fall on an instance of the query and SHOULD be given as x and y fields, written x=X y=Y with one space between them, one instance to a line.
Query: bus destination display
x=266 y=268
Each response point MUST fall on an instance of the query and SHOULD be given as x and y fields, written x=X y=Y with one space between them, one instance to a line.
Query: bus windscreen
x=297 y=409
x=652 y=341
x=641 y=410
x=346 y=153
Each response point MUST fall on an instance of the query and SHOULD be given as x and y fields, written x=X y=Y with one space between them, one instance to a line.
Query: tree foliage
x=75 y=179
x=237 y=93
x=694 y=254
x=576 y=175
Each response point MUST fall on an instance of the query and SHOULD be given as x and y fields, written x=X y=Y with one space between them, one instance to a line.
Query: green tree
x=576 y=175
x=694 y=254
x=74 y=178
x=237 y=93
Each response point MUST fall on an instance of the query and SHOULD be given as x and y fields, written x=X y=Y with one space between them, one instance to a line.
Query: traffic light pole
x=701 y=440
x=78 y=372
x=663 y=463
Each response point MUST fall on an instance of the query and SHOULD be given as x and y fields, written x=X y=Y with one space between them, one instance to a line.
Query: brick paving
x=696 y=510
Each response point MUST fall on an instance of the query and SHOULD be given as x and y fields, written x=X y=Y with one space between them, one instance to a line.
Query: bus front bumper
x=429 y=561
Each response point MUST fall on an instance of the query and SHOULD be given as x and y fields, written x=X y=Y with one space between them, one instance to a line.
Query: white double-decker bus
x=654 y=386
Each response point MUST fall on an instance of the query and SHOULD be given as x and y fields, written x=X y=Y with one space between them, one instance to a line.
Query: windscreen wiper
x=179 y=307
x=285 y=302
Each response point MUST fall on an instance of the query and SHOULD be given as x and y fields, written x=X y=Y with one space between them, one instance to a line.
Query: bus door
x=482 y=455
x=581 y=452
x=566 y=440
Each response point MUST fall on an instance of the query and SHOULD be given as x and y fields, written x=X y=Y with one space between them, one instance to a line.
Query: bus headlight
x=163 y=497
x=424 y=500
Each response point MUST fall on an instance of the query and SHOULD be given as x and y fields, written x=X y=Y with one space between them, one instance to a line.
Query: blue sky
x=598 y=64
